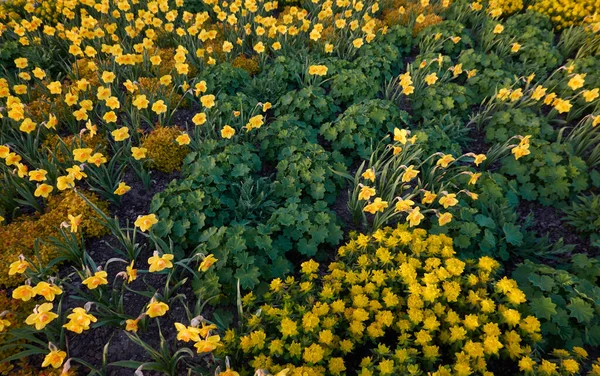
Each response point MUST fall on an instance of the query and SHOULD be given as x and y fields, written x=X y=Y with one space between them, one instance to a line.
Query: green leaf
x=484 y=221
x=592 y=335
x=582 y=311
x=544 y=282
x=513 y=234
x=248 y=276
x=543 y=307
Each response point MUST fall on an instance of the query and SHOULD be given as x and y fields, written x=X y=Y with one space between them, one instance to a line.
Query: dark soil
x=549 y=221
x=90 y=345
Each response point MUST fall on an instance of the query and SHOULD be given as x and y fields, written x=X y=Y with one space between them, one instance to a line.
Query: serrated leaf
x=485 y=221
x=544 y=282
x=513 y=234
x=248 y=276
x=543 y=307
x=580 y=310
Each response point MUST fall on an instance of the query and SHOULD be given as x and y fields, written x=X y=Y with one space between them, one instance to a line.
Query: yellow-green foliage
x=402 y=11
x=250 y=65
x=48 y=11
x=98 y=143
x=507 y=6
x=565 y=13
x=165 y=154
x=398 y=298
x=17 y=312
x=19 y=236
x=14 y=9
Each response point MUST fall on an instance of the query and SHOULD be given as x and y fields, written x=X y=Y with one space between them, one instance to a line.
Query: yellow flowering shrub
x=402 y=11
x=400 y=299
x=17 y=312
x=250 y=65
x=48 y=11
x=14 y=9
x=507 y=6
x=565 y=13
x=19 y=236
x=165 y=154
x=53 y=144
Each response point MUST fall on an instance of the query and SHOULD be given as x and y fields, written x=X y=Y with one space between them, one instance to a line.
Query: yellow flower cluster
x=566 y=13
x=162 y=150
x=506 y=6
x=447 y=316
x=18 y=237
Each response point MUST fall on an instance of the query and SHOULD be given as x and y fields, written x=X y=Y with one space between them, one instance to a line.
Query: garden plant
x=299 y=187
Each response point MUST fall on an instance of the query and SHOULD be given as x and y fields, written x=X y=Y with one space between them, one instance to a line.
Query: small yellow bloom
x=122 y=189
x=138 y=153
x=74 y=222
x=131 y=325
x=24 y=292
x=369 y=174
x=156 y=309
x=208 y=261
x=498 y=29
x=159 y=107
x=576 y=81
x=158 y=263
x=227 y=132
x=199 y=118
x=431 y=79
x=317 y=70
x=98 y=279
x=54 y=358
x=140 y=102
x=43 y=190
x=208 y=345
x=120 y=134
x=18 y=267
x=444 y=219
x=183 y=139
x=415 y=216
x=208 y=100
x=41 y=316
x=145 y=222
x=82 y=155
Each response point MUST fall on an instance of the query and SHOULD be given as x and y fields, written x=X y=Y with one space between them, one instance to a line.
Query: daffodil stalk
x=585 y=139
x=126 y=236
x=164 y=359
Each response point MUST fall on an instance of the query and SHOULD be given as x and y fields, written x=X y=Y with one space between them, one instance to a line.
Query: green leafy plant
x=584 y=214
x=551 y=174
x=356 y=129
x=565 y=303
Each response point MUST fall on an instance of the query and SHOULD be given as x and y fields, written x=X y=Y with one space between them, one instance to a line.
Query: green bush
x=565 y=301
x=506 y=123
x=356 y=128
x=441 y=99
x=550 y=175
x=249 y=222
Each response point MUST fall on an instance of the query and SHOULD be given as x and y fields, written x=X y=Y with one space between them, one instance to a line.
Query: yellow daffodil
x=98 y=279
x=145 y=222
x=158 y=263
x=41 y=316
x=208 y=261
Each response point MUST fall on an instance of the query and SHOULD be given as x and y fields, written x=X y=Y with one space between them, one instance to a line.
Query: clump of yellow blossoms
x=165 y=154
x=506 y=6
x=566 y=13
x=403 y=301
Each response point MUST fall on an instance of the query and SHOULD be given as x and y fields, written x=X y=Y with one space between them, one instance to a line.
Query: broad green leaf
x=513 y=234
x=582 y=311
x=543 y=307
x=544 y=282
